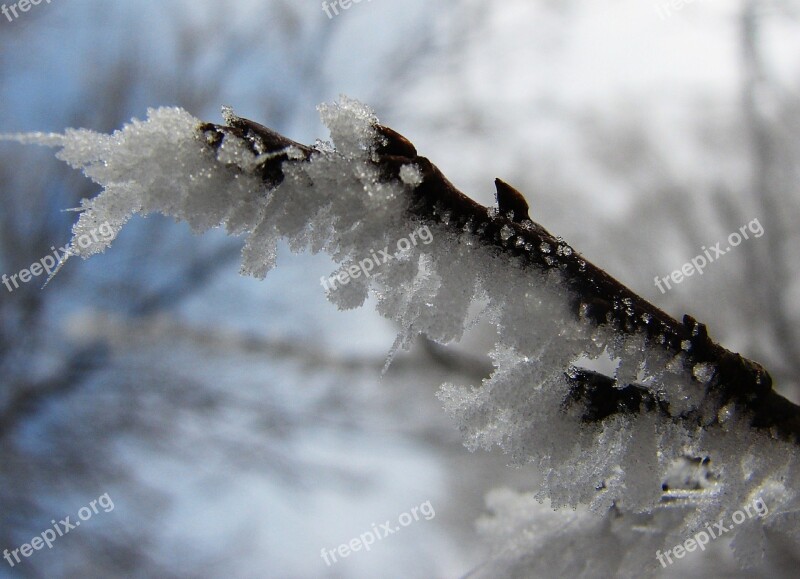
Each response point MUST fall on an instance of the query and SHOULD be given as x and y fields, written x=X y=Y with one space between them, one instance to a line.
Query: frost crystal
x=703 y=372
x=410 y=175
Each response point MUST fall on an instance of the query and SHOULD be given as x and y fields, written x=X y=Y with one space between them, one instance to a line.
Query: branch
x=596 y=297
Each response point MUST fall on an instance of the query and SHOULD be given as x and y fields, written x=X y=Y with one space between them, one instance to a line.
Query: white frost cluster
x=335 y=203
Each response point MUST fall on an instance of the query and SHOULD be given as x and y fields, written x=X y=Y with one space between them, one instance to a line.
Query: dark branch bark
x=596 y=296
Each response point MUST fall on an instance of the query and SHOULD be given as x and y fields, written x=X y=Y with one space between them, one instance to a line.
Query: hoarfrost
x=335 y=202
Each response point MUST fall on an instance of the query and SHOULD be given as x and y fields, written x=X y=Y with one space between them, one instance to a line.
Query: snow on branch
x=629 y=442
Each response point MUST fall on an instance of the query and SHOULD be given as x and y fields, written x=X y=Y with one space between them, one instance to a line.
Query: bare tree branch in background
x=76 y=437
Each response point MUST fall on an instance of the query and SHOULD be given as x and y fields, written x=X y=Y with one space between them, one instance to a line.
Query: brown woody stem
x=596 y=296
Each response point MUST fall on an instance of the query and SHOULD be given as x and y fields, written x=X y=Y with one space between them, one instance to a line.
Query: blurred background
x=242 y=426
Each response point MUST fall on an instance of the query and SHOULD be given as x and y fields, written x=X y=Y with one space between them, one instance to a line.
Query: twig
x=595 y=297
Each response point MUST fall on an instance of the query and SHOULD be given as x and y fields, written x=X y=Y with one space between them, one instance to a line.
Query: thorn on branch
x=510 y=202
